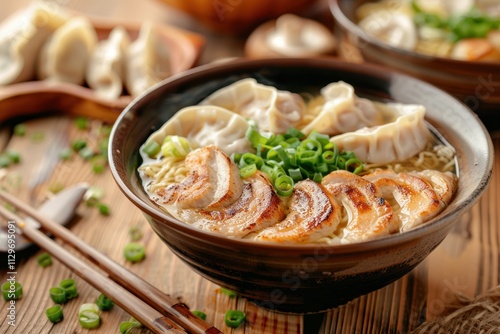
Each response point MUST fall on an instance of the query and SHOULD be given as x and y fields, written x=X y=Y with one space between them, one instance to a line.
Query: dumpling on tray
x=106 y=68
x=21 y=38
x=65 y=55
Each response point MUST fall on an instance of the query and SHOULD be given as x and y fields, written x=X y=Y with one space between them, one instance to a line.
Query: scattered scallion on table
x=104 y=303
x=88 y=316
x=58 y=295
x=234 y=318
x=69 y=286
x=12 y=290
x=134 y=252
x=200 y=314
x=44 y=260
x=54 y=313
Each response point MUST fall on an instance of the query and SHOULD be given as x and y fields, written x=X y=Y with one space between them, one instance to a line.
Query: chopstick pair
x=150 y=306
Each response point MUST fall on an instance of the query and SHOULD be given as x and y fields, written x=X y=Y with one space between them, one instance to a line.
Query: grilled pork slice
x=213 y=182
x=257 y=207
x=312 y=215
x=414 y=199
x=368 y=214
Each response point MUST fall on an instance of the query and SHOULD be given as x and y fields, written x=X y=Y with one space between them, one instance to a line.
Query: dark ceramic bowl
x=301 y=278
x=476 y=84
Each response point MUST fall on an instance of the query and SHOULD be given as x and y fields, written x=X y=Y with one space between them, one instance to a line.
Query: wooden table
x=466 y=263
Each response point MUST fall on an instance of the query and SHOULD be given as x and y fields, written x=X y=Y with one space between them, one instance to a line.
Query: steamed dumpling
x=343 y=111
x=273 y=110
x=394 y=28
x=405 y=135
x=65 y=55
x=148 y=61
x=208 y=125
x=106 y=68
x=21 y=38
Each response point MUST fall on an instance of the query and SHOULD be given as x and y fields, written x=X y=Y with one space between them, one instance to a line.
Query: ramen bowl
x=475 y=83
x=301 y=278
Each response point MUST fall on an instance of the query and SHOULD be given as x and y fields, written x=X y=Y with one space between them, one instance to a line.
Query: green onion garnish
x=104 y=303
x=69 y=286
x=82 y=123
x=54 y=313
x=103 y=209
x=135 y=233
x=44 y=260
x=88 y=316
x=58 y=295
x=78 y=145
x=151 y=148
x=291 y=157
x=12 y=290
x=20 y=129
x=134 y=252
x=65 y=154
x=200 y=314
x=228 y=292
x=234 y=318
x=127 y=326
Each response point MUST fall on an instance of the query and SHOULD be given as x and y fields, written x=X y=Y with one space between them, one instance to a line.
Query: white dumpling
x=343 y=111
x=106 y=67
x=65 y=55
x=392 y=27
x=148 y=61
x=21 y=38
x=273 y=110
x=405 y=135
x=207 y=125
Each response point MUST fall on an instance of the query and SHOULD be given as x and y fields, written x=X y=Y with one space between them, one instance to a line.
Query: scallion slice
x=58 y=295
x=234 y=318
x=69 y=286
x=12 y=290
x=54 y=313
x=134 y=252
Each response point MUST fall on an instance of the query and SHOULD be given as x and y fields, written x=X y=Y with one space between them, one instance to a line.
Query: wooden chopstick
x=127 y=281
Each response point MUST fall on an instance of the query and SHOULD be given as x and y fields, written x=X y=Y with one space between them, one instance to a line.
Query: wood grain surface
x=466 y=263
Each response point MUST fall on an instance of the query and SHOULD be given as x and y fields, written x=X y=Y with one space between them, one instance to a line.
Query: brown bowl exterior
x=239 y=16
x=476 y=84
x=301 y=278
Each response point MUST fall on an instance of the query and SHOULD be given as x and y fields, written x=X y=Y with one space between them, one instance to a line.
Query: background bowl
x=239 y=16
x=477 y=84
x=301 y=278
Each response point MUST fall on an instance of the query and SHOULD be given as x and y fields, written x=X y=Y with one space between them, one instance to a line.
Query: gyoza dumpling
x=405 y=135
x=206 y=125
x=148 y=61
x=273 y=110
x=21 y=37
x=65 y=55
x=106 y=67
x=343 y=111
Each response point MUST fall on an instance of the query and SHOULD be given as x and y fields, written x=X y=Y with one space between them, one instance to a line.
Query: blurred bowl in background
x=476 y=84
x=300 y=277
x=239 y=16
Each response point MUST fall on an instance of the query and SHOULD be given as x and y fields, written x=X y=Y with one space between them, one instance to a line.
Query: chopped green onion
x=200 y=314
x=284 y=185
x=228 y=292
x=103 y=209
x=69 y=286
x=82 y=123
x=78 y=144
x=151 y=148
x=58 y=295
x=14 y=156
x=4 y=161
x=44 y=260
x=98 y=163
x=93 y=195
x=104 y=303
x=127 y=326
x=86 y=153
x=135 y=233
x=37 y=136
x=134 y=252
x=234 y=318
x=65 y=154
x=12 y=290
x=20 y=129
x=291 y=157
x=88 y=316
x=175 y=146
x=54 y=313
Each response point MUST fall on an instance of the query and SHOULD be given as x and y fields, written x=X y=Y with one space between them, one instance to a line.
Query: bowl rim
x=369 y=70
x=347 y=24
